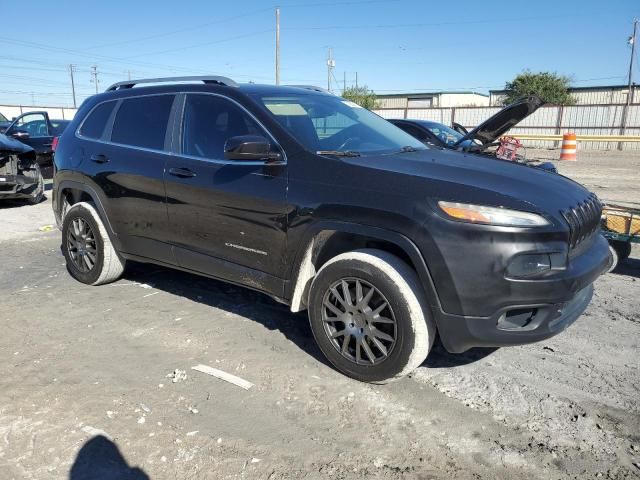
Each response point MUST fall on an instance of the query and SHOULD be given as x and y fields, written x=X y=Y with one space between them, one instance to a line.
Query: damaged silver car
x=20 y=176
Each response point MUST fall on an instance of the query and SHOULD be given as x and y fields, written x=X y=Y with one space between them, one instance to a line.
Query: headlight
x=491 y=215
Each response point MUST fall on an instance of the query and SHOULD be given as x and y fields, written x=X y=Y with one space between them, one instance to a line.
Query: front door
x=227 y=217
x=34 y=129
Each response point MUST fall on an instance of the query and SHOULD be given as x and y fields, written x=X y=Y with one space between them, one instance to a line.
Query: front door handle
x=99 y=158
x=182 y=172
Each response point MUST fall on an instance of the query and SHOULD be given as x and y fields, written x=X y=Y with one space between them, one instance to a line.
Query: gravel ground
x=87 y=385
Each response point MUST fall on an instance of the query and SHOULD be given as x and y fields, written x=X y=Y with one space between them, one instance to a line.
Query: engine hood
x=465 y=177
x=10 y=145
x=500 y=123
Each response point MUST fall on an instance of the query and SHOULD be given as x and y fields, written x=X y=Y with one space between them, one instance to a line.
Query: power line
x=439 y=24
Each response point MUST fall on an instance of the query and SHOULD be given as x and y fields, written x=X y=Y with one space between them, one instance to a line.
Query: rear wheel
x=87 y=248
x=369 y=316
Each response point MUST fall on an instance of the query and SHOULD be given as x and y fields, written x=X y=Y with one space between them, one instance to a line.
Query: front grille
x=583 y=220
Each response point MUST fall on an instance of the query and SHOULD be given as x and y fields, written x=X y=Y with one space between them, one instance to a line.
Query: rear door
x=127 y=163
x=227 y=217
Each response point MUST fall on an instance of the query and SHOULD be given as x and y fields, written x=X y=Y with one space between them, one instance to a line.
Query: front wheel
x=369 y=316
x=38 y=193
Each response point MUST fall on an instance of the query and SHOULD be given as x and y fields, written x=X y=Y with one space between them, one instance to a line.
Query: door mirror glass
x=249 y=147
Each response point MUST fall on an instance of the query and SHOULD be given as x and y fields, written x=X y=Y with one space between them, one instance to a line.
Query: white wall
x=57 y=113
x=552 y=120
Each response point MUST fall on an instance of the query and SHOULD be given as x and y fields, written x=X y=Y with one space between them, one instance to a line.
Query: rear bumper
x=459 y=333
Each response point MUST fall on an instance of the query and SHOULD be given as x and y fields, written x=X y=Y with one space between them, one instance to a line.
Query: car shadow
x=242 y=301
x=100 y=459
x=440 y=358
x=263 y=309
x=629 y=267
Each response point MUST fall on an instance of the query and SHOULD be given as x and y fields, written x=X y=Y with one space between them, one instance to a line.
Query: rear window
x=142 y=122
x=93 y=126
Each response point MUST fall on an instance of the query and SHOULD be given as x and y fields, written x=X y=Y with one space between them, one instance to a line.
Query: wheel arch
x=326 y=239
x=75 y=192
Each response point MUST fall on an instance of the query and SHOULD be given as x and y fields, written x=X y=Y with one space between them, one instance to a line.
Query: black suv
x=325 y=206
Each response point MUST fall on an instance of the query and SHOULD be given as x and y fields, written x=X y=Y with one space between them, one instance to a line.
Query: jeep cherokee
x=325 y=206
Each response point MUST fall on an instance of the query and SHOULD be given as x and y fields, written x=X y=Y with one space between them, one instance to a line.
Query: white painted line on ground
x=227 y=377
x=150 y=294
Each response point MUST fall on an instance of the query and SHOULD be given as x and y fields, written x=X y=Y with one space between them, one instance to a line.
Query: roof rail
x=312 y=87
x=218 y=80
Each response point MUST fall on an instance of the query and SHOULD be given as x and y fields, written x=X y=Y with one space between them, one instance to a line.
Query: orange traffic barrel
x=569 y=147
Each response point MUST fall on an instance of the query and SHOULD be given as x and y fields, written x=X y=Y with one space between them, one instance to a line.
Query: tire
x=398 y=338
x=620 y=251
x=38 y=194
x=87 y=248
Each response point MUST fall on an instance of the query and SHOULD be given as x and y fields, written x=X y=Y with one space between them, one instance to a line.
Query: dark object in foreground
x=100 y=459
x=20 y=176
x=328 y=208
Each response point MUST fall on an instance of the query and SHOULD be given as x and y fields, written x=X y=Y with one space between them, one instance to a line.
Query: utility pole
x=277 y=45
x=128 y=74
x=625 y=116
x=356 y=80
x=94 y=74
x=73 y=85
x=331 y=63
x=632 y=42
x=344 y=81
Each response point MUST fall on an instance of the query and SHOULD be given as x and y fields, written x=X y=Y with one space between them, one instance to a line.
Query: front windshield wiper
x=339 y=153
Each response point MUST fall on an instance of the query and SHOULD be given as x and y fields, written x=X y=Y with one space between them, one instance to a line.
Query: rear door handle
x=182 y=172
x=99 y=158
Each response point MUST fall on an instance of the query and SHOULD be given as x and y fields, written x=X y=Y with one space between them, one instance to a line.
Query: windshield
x=448 y=135
x=3 y=118
x=326 y=123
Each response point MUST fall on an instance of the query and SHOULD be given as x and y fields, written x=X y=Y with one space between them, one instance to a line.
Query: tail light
x=54 y=144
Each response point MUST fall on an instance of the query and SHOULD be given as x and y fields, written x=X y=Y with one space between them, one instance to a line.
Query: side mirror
x=20 y=135
x=249 y=147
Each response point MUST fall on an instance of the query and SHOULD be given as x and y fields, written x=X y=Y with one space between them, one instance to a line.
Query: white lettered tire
x=345 y=316
x=87 y=248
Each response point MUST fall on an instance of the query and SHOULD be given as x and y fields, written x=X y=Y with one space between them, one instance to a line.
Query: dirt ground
x=87 y=386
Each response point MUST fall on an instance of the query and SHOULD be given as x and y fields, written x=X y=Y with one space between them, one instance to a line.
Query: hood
x=8 y=144
x=499 y=124
x=469 y=178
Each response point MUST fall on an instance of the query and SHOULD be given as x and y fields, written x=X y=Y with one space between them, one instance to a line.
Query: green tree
x=550 y=87
x=362 y=96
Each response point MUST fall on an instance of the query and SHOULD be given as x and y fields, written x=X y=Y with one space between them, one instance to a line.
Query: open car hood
x=496 y=126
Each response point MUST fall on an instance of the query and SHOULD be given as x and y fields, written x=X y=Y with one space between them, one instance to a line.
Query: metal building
x=598 y=95
x=433 y=100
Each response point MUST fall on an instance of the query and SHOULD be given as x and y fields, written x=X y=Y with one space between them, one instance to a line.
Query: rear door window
x=209 y=121
x=142 y=121
x=93 y=126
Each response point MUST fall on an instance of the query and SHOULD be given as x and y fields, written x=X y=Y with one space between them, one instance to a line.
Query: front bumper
x=16 y=186
x=526 y=311
x=459 y=333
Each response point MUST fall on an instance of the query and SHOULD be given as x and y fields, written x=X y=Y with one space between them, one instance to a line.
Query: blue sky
x=394 y=45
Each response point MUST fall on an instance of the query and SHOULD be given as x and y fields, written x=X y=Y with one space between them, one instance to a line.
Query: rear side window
x=142 y=121
x=209 y=121
x=93 y=126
